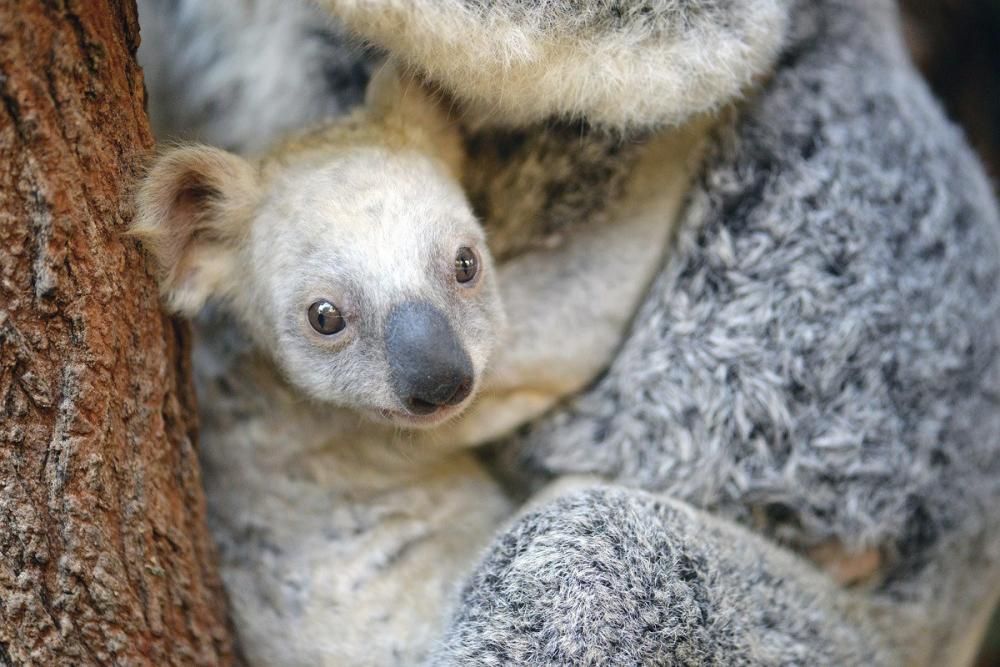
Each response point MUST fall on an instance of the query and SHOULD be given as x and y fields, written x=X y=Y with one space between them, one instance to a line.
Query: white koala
x=351 y=263
x=354 y=314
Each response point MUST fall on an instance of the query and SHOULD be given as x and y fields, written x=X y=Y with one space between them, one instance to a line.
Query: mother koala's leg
x=609 y=576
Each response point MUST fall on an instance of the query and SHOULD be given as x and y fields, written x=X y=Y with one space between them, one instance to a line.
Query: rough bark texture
x=104 y=554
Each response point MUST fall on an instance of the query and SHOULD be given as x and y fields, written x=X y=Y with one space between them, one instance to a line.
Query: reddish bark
x=104 y=553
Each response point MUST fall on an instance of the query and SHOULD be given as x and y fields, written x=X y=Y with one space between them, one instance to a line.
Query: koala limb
x=621 y=64
x=610 y=576
x=568 y=307
x=819 y=358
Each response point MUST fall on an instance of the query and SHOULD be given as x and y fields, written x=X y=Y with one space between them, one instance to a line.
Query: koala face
x=368 y=280
x=350 y=255
x=360 y=270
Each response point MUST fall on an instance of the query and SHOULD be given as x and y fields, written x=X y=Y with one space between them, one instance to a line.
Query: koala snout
x=428 y=365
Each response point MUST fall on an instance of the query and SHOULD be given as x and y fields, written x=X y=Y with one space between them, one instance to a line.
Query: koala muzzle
x=428 y=366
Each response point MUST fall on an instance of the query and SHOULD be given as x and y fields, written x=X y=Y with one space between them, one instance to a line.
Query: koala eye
x=466 y=264
x=326 y=318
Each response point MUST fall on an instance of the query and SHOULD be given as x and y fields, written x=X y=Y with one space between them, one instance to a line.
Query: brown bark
x=104 y=554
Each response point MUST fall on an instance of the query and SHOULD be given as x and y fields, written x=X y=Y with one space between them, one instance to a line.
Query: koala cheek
x=302 y=367
x=482 y=347
x=493 y=308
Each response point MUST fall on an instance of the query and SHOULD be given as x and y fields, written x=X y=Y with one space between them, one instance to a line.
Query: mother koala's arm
x=569 y=306
x=621 y=64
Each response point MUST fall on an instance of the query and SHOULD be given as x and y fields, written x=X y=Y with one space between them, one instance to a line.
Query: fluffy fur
x=648 y=580
x=619 y=64
x=340 y=544
x=819 y=358
x=818 y=361
x=240 y=74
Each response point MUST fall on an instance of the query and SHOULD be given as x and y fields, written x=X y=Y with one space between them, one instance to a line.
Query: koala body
x=337 y=346
x=351 y=292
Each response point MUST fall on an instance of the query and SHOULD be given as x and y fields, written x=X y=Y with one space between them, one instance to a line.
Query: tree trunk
x=104 y=553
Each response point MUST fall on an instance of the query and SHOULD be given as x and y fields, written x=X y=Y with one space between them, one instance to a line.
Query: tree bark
x=104 y=553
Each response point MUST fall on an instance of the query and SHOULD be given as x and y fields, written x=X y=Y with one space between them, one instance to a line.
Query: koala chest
x=351 y=578
x=329 y=558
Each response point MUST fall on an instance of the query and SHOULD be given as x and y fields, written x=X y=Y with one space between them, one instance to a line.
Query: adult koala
x=816 y=368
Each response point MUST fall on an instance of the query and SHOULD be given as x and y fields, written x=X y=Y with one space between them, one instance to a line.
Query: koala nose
x=428 y=366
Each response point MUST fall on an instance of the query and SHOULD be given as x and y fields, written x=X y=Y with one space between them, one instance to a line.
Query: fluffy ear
x=193 y=212
x=405 y=102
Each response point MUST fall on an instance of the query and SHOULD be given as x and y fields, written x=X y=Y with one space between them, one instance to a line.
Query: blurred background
x=956 y=43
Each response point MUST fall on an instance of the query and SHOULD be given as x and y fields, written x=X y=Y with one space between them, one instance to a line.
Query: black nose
x=427 y=363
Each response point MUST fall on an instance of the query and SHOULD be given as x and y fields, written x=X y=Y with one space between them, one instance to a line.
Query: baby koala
x=345 y=292
x=347 y=312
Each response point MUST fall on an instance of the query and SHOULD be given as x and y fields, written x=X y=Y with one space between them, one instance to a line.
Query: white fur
x=517 y=64
x=356 y=546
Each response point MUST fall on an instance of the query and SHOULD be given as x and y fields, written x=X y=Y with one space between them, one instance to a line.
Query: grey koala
x=815 y=369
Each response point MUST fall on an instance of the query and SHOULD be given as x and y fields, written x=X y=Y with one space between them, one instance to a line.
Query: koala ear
x=405 y=102
x=193 y=212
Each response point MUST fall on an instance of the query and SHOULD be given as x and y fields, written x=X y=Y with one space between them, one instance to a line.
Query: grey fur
x=616 y=577
x=839 y=251
x=818 y=360
x=240 y=74
x=819 y=357
x=533 y=184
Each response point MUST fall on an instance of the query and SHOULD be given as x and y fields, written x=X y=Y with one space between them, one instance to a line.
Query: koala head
x=349 y=255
